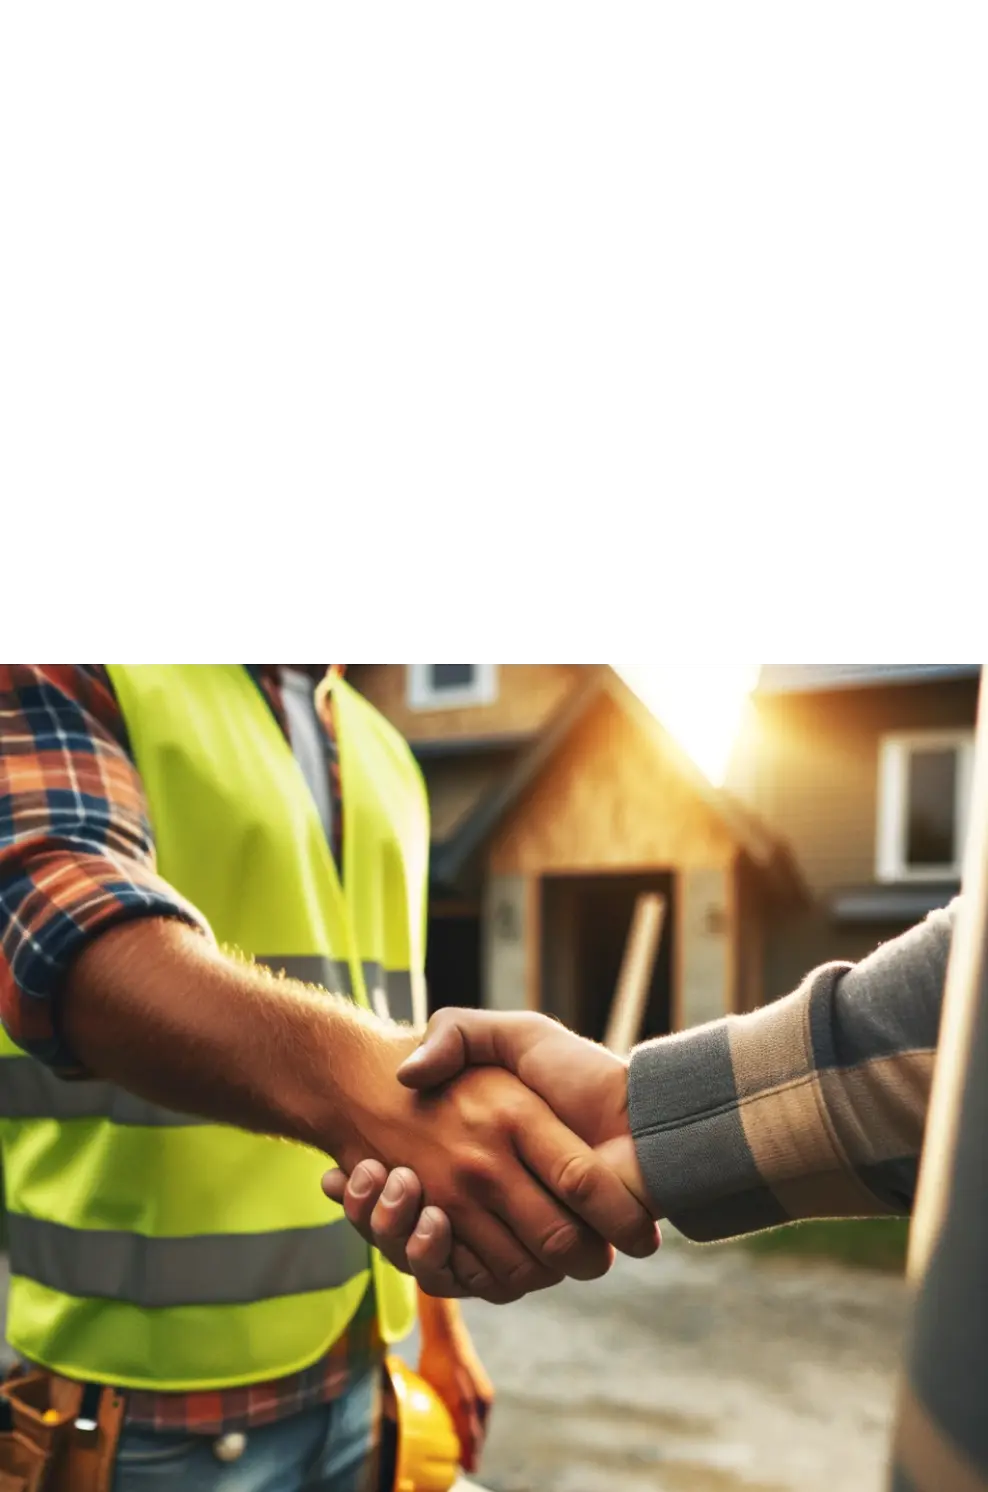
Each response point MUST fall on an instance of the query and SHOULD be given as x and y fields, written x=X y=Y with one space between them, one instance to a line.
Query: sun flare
x=698 y=703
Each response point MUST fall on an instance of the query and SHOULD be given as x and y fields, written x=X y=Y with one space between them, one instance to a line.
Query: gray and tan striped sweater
x=816 y=1107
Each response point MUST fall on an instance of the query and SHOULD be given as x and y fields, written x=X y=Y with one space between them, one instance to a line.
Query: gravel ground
x=705 y=1370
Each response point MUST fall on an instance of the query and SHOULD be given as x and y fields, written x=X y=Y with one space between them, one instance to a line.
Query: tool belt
x=56 y=1435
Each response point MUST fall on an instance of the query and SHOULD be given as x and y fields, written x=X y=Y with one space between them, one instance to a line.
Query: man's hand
x=512 y=1178
x=585 y=1086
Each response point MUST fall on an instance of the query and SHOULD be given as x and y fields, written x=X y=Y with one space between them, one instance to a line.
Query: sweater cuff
x=731 y=1126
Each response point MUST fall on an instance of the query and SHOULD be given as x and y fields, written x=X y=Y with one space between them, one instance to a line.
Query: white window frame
x=893 y=760
x=422 y=695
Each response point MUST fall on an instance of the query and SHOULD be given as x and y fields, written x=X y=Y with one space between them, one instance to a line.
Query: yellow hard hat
x=427 y=1455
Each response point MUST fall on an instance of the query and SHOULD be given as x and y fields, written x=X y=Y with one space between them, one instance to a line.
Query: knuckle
x=575 y=1181
x=561 y=1240
x=473 y=1276
x=478 y=1173
x=438 y=1022
x=426 y=1256
x=389 y=1225
x=476 y=1280
x=390 y=1232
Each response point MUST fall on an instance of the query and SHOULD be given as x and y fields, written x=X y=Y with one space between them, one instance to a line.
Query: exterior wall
x=808 y=767
x=607 y=801
x=527 y=695
x=815 y=760
x=750 y=914
x=505 y=941
x=707 y=943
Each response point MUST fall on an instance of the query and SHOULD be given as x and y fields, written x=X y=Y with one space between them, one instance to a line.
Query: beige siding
x=749 y=913
x=705 y=901
x=808 y=767
x=527 y=695
x=505 y=943
x=812 y=768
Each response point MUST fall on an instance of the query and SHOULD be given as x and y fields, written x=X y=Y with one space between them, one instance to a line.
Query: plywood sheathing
x=609 y=800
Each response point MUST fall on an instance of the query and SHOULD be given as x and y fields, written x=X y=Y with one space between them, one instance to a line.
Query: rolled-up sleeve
x=813 y=1106
x=76 y=847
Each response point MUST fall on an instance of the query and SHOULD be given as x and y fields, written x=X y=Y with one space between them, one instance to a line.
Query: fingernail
x=426 y=1226
x=360 y=1182
x=395 y=1189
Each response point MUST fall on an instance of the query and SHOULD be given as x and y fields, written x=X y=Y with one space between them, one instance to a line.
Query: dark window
x=931 y=827
x=451 y=676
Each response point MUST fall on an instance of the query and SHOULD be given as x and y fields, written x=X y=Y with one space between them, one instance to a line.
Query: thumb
x=455 y=1039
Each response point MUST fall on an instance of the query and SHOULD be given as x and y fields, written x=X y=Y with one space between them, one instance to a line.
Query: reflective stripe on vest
x=389 y=991
x=219 y=1269
x=225 y=1237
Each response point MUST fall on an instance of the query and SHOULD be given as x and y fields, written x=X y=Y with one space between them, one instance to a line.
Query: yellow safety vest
x=155 y=1250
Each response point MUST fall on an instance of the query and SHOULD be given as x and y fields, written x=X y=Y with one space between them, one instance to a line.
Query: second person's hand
x=528 y=1199
x=584 y=1084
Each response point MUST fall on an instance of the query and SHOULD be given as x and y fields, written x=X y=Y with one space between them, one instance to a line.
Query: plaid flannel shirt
x=76 y=857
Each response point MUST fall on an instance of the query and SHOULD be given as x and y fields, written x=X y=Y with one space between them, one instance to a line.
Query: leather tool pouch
x=57 y=1436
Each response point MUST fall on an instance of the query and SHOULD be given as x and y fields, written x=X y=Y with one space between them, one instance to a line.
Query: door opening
x=585 y=924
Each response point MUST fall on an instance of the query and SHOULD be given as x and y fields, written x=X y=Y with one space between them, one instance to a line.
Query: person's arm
x=106 y=971
x=159 y=1010
x=814 y=1106
x=77 y=853
x=104 y=968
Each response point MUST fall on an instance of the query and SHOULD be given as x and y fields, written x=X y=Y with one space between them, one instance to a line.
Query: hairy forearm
x=156 y=1008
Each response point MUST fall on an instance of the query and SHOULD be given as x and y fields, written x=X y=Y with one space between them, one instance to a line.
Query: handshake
x=496 y=1183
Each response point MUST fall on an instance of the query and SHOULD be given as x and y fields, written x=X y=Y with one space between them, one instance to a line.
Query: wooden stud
x=533 y=942
x=631 y=993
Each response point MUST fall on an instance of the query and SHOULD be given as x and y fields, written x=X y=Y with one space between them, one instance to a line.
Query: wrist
x=353 y=1086
x=621 y=1152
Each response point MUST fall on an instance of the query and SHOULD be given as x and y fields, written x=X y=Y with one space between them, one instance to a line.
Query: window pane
x=451 y=675
x=931 y=828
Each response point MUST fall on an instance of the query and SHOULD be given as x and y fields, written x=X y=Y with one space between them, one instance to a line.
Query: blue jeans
x=329 y=1449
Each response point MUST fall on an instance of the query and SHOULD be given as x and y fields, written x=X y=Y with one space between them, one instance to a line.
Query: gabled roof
x=450 y=858
x=768 y=853
x=807 y=678
x=443 y=747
